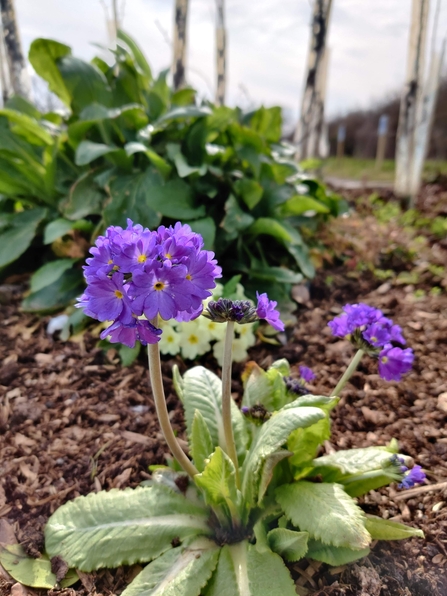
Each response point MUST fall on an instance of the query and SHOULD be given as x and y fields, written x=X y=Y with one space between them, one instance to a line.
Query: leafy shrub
x=127 y=146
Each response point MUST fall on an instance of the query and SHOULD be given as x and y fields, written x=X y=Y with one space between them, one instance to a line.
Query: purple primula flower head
x=340 y=326
x=306 y=374
x=135 y=271
x=395 y=362
x=414 y=476
x=266 y=310
x=129 y=334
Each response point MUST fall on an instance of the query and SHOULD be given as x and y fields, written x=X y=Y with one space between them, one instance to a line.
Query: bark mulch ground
x=73 y=421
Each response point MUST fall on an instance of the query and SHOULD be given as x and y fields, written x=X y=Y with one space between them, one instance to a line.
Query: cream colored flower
x=170 y=340
x=194 y=341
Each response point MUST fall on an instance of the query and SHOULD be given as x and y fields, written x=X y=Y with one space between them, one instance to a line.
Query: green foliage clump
x=128 y=146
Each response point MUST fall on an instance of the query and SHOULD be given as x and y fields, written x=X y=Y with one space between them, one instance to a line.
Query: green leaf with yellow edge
x=326 y=512
x=35 y=573
x=385 y=529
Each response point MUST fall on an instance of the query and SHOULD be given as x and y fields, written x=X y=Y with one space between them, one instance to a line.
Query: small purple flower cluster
x=412 y=476
x=266 y=309
x=298 y=386
x=135 y=272
x=370 y=330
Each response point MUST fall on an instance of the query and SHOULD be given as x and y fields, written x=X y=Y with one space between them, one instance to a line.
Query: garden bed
x=73 y=421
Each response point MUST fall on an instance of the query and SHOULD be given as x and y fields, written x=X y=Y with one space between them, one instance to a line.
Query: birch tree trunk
x=221 y=51
x=425 y=123
x=411 y=98
x=310 y=125
x=179 y=61
x=16 y=61
x=4 y=83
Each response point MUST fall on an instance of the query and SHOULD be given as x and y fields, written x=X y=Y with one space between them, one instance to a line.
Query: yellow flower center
x=373 y=339
x=168 y=255
x=189 y=277
x=193 y=339
x=118 y=294
x=109 y=262
x=159 y=286
x=142 y=258
x=384 y=359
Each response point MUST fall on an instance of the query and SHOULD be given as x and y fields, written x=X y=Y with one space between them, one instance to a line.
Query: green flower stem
x=226 y=399
x=348 y=373
x=158 y=392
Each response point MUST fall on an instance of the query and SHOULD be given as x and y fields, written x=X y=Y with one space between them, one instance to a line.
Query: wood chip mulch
x=73 y=421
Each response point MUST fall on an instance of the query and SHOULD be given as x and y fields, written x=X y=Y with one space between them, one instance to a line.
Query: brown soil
x=73 y=421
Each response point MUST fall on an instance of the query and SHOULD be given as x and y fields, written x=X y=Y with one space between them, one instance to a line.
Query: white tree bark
x=425 y=123
x=310 y=125
x=180 y=31
x=18 y=74
x=221 y=51
x=411 y=98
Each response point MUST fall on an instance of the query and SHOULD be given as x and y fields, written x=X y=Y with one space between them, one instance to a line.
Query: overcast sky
x=267 y=41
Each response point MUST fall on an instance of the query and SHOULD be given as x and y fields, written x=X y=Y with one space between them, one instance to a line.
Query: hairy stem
x=348 y=373
x=156 y=381
x=226 y=399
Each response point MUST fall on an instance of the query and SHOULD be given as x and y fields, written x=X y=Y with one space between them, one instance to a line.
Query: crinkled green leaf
x=119 y=527
x=35 y=573
x=202 y=390
x=385 y=529
x=269 y=438
x=49 y=273
x=243 y=571
x=291 y=545
x=351 y=461
x=326 y=512
x=200 y=440
x=334 y=555
x=178 y=572
x=269 y=467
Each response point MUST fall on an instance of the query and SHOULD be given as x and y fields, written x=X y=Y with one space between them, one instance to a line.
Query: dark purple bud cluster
x=136 y=271
x=369 y=330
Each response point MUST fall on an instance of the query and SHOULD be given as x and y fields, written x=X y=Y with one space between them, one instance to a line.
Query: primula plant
x=254 y=492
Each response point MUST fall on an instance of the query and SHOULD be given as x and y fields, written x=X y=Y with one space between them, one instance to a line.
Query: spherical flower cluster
x=369 y=330
x=135 y=272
